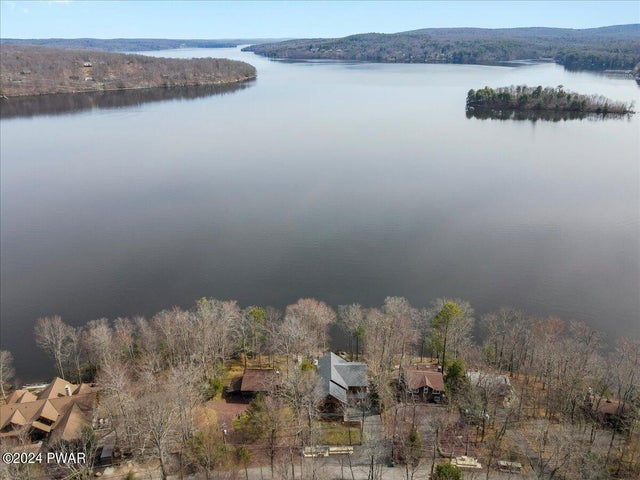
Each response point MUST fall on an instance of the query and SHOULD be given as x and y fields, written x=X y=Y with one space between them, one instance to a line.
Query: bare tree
x=70 y=467
x=292 y=338
x=97 y=341
x=352 y=320
x=268 y=419
x=214 y=325
x=146 y=336
x=256 y=318
x=207 y=447
x=403 y=318
x=410 y=451
x=581 y=361
x=53 y=335
x=626 y=368
x=6 y=370
x=174 y=335
x=315 y=316
x=158 y=421
x=124 y=338
x=506 y=331
x=555 y=445
x=185 y=383
x=303 y=393
x=117 y=401
x=379 y=350
x=75 y=351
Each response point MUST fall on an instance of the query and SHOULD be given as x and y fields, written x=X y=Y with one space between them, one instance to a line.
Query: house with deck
x=343 y=383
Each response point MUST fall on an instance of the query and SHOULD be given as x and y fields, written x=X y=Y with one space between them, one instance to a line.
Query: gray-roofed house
x=497 y=385
x=342 y=382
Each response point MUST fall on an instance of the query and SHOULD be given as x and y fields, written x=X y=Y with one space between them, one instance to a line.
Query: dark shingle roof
x=337 y=375
x=255 y=380
x=420 y=378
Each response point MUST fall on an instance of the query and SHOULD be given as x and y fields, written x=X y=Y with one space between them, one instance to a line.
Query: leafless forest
x=30 y=70
x=565 y=406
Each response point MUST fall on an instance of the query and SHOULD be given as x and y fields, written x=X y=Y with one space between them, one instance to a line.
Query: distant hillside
x=129 y=44
x=29 y=70
x=606 y=48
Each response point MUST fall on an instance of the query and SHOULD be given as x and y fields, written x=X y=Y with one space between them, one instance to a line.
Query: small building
x=87 y=64
x=343 y=383
x=254 y=381
x=425 y=383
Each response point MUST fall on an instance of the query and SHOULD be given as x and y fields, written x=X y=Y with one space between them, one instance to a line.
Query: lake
x=347 y=182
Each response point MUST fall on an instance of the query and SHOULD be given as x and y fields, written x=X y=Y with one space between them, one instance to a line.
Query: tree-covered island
x=543 y=100
x=33 y=70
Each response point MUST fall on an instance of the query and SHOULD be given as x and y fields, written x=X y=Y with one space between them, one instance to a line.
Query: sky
x=292 y=19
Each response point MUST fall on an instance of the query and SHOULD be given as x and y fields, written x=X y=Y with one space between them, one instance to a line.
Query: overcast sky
x=205 y=19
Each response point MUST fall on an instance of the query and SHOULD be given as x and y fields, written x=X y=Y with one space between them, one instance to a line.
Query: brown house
x=59 y=412
x=424 y=383
x=607 y=411
x=254 y=381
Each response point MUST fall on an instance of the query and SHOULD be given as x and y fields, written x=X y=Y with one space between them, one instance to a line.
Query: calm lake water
x=341 y=181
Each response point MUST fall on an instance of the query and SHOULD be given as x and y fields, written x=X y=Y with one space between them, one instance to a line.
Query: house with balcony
x=343 y=383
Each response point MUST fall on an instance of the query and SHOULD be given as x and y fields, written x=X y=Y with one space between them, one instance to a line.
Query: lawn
x=337 y=433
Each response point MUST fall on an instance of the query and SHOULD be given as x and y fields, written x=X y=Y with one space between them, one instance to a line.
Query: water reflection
x=348 y=184
x=76 y=102
x=541 y=115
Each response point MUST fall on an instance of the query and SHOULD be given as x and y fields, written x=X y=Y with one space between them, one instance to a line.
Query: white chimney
x=67 y=389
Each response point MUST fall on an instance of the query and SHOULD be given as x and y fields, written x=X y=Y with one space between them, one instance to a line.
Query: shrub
x=446 y=471
x=215 y=388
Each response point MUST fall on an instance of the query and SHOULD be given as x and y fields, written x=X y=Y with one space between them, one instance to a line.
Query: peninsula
x=34 y=70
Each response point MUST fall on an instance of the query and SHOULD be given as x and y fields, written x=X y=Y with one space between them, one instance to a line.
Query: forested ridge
x=31 y=70
x=606 y=48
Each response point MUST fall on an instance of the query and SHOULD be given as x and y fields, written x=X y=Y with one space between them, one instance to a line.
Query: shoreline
x=4 y=96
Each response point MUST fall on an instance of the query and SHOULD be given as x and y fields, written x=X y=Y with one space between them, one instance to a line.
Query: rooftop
x=338 y=375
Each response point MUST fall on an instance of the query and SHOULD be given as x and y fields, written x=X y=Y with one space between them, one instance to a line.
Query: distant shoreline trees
x=538 y=99
x=595 y=49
